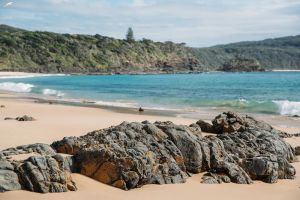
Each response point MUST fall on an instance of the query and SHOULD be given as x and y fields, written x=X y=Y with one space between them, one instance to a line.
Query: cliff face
x=22 y=50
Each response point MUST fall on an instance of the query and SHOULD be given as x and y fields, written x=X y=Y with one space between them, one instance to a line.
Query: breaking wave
x=16 y=87
x=288 y=107
x=117 y=104
x=31 y=76
x=51 y=92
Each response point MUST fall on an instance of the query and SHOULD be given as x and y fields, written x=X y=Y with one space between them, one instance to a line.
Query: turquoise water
x=270 y=92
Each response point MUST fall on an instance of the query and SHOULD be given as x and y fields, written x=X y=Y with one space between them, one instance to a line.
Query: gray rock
x=297 y=151
x=134 y=154
x=43 y=149
x=213 y=178
x=25 y=118
x=296 y=135
x=206 y=127
x=8 y=178
x=8 y=181
x=256 y=144
x=43 y=174
x=229 y=122
x=6 y=165
x=186 y=140
x=262 y=168
x=129 y=155
x=69 y=145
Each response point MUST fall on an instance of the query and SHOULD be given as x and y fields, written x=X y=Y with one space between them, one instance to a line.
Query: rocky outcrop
x=39 y=148
x=206 y=127
x=8 y=178
x=242 y=65
x=44 y=172
x=257 y=146
x=243 y=150
x=131 y=155
x=297 y=151
x=24 y=118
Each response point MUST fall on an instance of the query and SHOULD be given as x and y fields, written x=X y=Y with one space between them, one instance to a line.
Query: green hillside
x=22 y=50
x=279 y=53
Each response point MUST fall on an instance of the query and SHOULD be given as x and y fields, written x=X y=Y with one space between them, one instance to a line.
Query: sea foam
x=31 y=76
x=288 y=107
x=51 y=92
x=16 y=87
x=118 y=104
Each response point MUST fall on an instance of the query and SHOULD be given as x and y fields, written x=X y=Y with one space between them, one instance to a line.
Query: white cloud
x=8 y=4
x=196 y=22
x=138 y=3
x=59 y=1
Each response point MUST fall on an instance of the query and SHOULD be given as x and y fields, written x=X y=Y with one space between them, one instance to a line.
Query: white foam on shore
x=51 y=92
x=288 y=107
x=31 y=76
x=16 y=87
x=118 y=104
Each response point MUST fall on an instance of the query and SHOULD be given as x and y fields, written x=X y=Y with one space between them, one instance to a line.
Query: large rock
x=8 y=178
x=230 y=122
x=260 y=147
x=127 y=156
x=134 y=154
x=268 y=168
x=44 y=174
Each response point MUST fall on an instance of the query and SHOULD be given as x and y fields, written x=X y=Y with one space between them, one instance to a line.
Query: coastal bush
x=51 y=52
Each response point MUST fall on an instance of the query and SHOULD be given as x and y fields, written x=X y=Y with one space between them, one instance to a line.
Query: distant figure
x=141 y=109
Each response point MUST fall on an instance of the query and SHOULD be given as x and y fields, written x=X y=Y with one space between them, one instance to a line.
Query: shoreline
x=285 y=70
x=203 y=113
x=20 y=74
x=200 y=112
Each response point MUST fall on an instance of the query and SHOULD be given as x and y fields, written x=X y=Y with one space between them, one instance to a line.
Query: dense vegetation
x=279 y=53
x=241 y=65
x=22 y=50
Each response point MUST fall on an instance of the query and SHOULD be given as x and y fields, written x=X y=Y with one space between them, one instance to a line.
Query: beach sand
x=57 y=121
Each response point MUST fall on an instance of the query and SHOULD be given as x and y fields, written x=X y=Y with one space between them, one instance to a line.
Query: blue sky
x=196 y=22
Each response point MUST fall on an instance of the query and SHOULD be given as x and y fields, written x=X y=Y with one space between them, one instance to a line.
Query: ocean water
x=269 y=92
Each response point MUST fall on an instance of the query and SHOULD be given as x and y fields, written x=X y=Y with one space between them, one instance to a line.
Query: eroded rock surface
x=134 y=154
x=297 y=151
x=8 y=178
x=44 y=172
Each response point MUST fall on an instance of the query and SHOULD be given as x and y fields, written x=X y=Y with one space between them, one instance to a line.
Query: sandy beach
x=149 y=100
x=285 y=70
x=57 y=121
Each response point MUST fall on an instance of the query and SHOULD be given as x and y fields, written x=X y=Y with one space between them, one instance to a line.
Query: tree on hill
x=130 y=35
